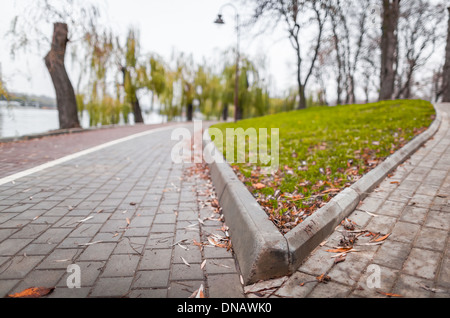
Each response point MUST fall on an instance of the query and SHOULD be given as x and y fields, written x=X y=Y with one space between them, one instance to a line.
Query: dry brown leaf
x=339 y=250
x=389 y=294
x=259 y=186
x=33 y=292
x=381 y=239
x=128 y=221
x=323 y=278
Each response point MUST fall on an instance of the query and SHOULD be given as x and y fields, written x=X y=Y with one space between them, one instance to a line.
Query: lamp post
x=219 y=20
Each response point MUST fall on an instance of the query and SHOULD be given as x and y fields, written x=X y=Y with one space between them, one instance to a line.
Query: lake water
x=21 y=121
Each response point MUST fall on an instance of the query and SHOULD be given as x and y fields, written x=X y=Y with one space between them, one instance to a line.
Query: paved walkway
x=413 y=206
x=139 y=225
x=21 y=155
x=135 y=223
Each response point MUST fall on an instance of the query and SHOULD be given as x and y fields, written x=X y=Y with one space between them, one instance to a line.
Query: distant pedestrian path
x=21 y=155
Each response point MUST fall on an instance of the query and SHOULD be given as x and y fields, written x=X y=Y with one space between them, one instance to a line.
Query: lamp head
x=219 y=20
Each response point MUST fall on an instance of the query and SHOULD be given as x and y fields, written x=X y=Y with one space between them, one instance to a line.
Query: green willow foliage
x=173 y=86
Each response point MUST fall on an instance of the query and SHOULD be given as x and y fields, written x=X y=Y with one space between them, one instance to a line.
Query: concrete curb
x=261 y=250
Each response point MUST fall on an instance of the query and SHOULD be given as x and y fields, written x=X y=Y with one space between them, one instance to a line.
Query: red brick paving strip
x=21 y=155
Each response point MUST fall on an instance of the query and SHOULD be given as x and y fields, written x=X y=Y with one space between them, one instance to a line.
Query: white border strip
x=59 y=161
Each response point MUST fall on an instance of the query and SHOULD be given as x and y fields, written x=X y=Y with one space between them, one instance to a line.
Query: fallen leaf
x=89 y=244
x=185 y=262
x=128 y=221
x=86 y=219
x=259 y=186
x=381 y=239
x=339 y=250
x=133 y=203
x=33 y=292
x=330 y=190
x=389 y=294
x=323 y=278
x=201 y=293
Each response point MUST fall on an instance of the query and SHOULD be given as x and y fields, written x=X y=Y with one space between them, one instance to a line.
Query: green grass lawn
x=323 y=150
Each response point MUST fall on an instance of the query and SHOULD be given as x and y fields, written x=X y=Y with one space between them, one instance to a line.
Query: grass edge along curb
x=261 y=250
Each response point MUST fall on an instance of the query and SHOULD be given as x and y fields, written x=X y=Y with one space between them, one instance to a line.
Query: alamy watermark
x=74 y=279
x=241 y=146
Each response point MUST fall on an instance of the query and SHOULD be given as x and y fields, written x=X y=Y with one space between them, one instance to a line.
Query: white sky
x=184 y=25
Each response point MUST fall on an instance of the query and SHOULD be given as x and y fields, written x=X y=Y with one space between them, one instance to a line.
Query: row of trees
x=177 y=86
x=371 y=46
x=114 y=73
x=362 y=47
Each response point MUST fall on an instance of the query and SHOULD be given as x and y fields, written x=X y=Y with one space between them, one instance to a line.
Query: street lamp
x=219 y=20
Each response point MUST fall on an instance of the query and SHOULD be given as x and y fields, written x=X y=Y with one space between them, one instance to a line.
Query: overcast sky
x=165 y=25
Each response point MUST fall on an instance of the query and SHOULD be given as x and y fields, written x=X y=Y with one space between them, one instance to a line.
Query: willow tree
x=253 y=96
x=209 y=91
x=71 y=20
x=133 y=74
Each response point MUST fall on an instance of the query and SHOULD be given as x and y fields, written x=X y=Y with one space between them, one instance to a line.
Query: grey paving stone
x=165 y=218
x=330 y=290
x=97 y=252
x=152 y=279
x=18 y=267
x=414 y=214
x=181 y=272
x=439 y=220
x=38 y=249
x=86 y=230
x=13 y=246
x=6 y=286
x=39 y=278
x=391 y=208
x=112 y=287
x=142 y=221
x=381 y=224
x=225 y=286
x=367 y=284
x=121 y=266
x=53 y=236
x=392 y=254
x=156 y=259
x=422 y=263
x=318 y=263
x=59 y=259
x=410 y=286
x=431 y=238
x=220 y=266
x=148 y=293
x=89 y=272
x=184 y=289
x=30 y=231
x=404 y=232
x=67 y=293
x=444 y=274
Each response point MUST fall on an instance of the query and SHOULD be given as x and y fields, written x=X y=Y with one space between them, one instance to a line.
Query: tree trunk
x=225 y=112
x=389 y=44
x=65 y=95
x=302 y=96
x=446 y=71
x=138 y=119
x=190 y=112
